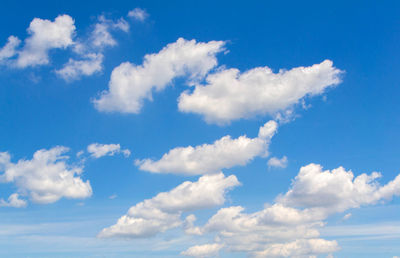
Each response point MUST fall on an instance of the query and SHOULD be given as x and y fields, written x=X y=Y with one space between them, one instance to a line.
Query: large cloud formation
x=45 y=178
x=211 y=158
x=290 y=226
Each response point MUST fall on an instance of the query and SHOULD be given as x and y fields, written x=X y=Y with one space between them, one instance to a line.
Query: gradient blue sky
x=354 y=125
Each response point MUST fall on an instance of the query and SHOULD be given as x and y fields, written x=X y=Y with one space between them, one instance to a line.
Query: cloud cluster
x=211 y=158
x=138 y=14
x=98 y=150
x=207 y=250
x=131 y=84
x=13 y=201
x=278 y=163
x=164 y=211
x=45 y=178
x=290 y=227
x=230 y=95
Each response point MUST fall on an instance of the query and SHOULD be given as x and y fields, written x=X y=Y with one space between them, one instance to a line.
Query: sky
x=199 y=129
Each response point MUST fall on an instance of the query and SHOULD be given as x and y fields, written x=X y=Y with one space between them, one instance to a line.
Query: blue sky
x=270 y=116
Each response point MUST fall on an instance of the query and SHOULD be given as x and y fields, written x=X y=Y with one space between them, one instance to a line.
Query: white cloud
x=74 y=69
x=290 y=227
x=9 y=50
x=211 y=158
x=230 y=95
x=347 y=216
x=47 y=177
x=278 y=163
x=13 y=201
x=299 y=248
x=163 y=211
x=138 y=14
x=207 y=250
x=98 y=150
x=131 y=84
x=44 y=36
x=101 y=36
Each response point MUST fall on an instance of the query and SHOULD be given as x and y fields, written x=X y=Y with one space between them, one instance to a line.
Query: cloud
x=9 y=50
x=98 y=150
x=138 y=14
x=131 y=84
x=101 y=36
x=13 y=201
x=230 y=95
x=44 y=36
x=75 y=69
x=278 y=163
x=290 y=227
x=46 y=178
x=164 y=211
x=211 y=158
x=207 y=250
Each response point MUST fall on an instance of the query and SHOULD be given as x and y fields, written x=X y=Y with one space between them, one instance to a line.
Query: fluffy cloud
x=46 y=177
x=13 y=201
x=163 y=211
x=9 y=50
x=207 y=250
x=131 y=84
x=44 y=36
x=74 y=69
x=211 y=158
x=138 y=14
x=101 y=36
x=230 y=95
x=290 y=227
x=278 y=163
x=98 y=150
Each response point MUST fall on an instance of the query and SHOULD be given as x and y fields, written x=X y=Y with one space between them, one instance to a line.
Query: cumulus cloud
x=44 y=36
x=101 y=36
x=13 y=201
x=138 y=14
x=290 y=226
x=230 y=95
x=211 y=158
x=278 y=163
x=45 y=178
x=164 y=211
x=9 y=50
x=98 y=150
x=75 y=69
x=131 y=84
x=207 y=250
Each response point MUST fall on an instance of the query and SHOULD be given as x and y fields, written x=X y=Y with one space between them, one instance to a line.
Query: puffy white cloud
x=131 y=84
x=207 y=250
x=211 y=158
x=74 y=69
x=163 y=211
x=336 y=190
x=138 y=14
x=44 y=36
x=46 y=177
x=13 y=201
x=98 y=150
x=290 y=227
x=278 y=163
x=9 y=50
x=230 y=95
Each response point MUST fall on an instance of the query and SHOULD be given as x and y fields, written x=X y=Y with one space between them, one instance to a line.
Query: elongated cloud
x=75 y=69
x=45 y=178
x=230 y=95
x=163 y=211
x=290 y=226
x=207 y=250
x=9 y=50
x=131 y=84
x=13 y=201
x=211 y=158
x=98 y=150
